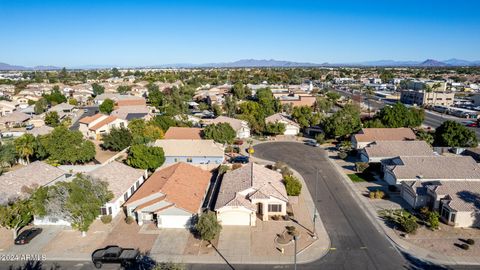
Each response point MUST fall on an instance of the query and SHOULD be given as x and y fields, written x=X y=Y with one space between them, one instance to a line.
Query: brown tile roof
x=90 y=119
x=131 y=102
x=184 y=133
x=182 y=184
x=385 y=134
x=302 y=101
x=463 y=195
x=104 y=122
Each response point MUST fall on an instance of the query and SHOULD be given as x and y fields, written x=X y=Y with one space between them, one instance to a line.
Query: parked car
x=471 y=124
x=312 y=143
x=240 y=159
x=29 y=127
x=27 y=235
x=115 y=255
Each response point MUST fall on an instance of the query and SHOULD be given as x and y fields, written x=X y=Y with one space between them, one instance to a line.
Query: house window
x=103 y=211
x=137 y=184
x=132 y=189
x=452 y=217
x=175 y=160
x=110 y=210
x=189 y=160
x=125 y=196
x=274 y=208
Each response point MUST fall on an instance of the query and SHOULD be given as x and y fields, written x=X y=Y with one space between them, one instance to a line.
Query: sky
x=144 y=33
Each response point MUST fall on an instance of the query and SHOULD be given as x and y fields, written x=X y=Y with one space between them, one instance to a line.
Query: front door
x=259 y=209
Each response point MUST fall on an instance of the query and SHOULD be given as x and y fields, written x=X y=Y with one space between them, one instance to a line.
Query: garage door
x=235 y=218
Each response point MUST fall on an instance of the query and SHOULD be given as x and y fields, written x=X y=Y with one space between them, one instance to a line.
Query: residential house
x=171 y=196
x=7 y=107
x=191 y=151
x=183 y=133
x=14 y=119
x=250 y=191
x=17 y=183
x=369 y=135
x=97 y=125
x=132 y=112
x=291 y=127
x=240 y=126
x=298 y=100
x=430 y=168
x=455 y=201
x=381 y=150
x=122 y=180
x=63 y=109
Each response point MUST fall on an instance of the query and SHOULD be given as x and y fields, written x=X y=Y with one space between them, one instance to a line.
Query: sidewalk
x=403 y=245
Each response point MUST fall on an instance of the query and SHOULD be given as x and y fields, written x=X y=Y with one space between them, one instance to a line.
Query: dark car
x=26 y=236
x=240 y=159
x=115 y=255
x=29 y=127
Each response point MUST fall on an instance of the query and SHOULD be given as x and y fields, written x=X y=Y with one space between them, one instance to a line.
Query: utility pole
x=295 y=256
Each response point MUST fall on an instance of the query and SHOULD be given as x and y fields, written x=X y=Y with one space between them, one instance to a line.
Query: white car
x=312 y=143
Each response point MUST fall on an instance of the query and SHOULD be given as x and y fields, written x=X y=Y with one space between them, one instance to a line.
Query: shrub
x=285 y=171
x=465 y=246
x=292 y=185
x=377 y=194
x=408 y=223
x=342 y=155
x=129 y=220
x=106 y=219
x=223 y=169
x=432 y=218
x=470 y=241
x=236 y=166
x=361 y=166
x=320 y=138
x=279 y=165
x=371 y=194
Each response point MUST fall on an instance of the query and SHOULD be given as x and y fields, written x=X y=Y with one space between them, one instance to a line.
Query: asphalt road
x=356 y=241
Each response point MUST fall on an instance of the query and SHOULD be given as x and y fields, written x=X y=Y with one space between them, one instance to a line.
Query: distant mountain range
x=273 y=63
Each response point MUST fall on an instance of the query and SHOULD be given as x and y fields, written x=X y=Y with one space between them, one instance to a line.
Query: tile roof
x=119 y=177
x=462 y=195
x=236 y=124
x=301 y=101
x=435 y=168
x=184 y=133
x=15 y=116
x=263 y=180
x=183 y=185
x=37 y=173
x=90 y=119
x=279 y=117
x=398 y=148
x=104 y=122
x=384 y=134
x=190 y=148
x=131 y=102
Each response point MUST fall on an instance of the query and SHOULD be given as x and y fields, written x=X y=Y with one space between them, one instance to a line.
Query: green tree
x=40 y=106
x=145 y=157
x=323 y=104
x=433 y=220
x=143 y=132
x=343 y=123
x=426 y=136
x=230 y=106
x=164 y=122
x=55 y=97
x=116 y=73
x=333 y=96
x=268 y=102
x=73 y=102
x=253 y=113
x=221 y=133
x=97 y=89
x=25 y=146
x=107 y=106
x=454 y=134
x=207 y=226
x=52 y=119
x=155 y=97
x=399 y=115
x=68 y=147
x=117 y=140
x=305 y=116
x=8 y=154
x=240 y=91
x=16 y=215
x=275 y=128
x=123 y=89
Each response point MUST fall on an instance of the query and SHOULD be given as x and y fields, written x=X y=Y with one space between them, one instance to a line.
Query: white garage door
x=235 y=218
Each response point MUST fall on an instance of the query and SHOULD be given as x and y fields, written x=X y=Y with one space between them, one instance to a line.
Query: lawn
x=357 y=177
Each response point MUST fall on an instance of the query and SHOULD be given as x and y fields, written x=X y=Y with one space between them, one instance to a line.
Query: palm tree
x=25 y=146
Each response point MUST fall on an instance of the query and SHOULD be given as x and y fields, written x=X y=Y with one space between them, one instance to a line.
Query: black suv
x=26 y=236
x=240 y=159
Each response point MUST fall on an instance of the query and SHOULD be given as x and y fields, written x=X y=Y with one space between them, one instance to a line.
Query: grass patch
x=357 y=177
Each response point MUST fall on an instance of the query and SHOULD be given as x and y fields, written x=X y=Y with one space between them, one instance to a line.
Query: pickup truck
x=115 y=255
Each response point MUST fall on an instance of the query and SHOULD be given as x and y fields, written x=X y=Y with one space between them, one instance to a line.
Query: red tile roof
x=184 y=133
x=90 y=119
x=104 y=122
